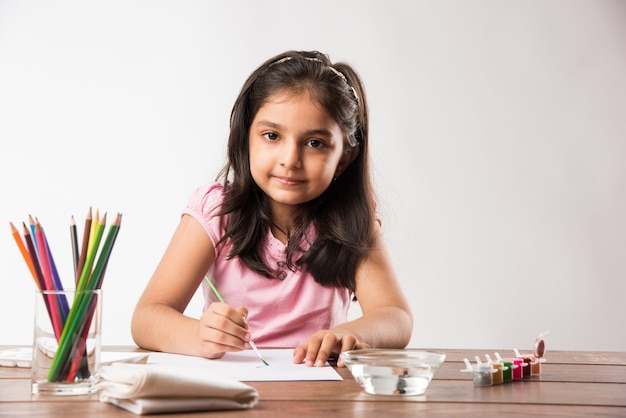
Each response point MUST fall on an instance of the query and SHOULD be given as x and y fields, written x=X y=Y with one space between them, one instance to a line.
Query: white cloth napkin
x=151 y=389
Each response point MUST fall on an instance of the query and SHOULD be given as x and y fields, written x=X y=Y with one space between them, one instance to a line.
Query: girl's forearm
x=388 y=327
x=161 y=328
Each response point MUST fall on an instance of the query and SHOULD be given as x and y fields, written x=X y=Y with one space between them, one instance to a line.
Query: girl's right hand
x=223 y=329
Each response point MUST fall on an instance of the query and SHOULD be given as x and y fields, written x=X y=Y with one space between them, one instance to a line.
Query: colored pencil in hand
x=252 y=344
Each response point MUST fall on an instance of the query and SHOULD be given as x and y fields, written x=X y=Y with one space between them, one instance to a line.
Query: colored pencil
x=24 y=252
x=94 y=227
x=31 y=222
x=94 y=242
x=34 y=258
x=85 y=246
x=57 y=323
x=41 y=285
x=98 y=273
x=252 y=344
x=56 y=280
x=74 y=242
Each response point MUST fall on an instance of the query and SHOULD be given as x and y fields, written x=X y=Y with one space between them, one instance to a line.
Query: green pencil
x=252 y=344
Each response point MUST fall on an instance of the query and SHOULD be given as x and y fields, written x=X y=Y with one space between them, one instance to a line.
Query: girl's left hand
x=317 y=349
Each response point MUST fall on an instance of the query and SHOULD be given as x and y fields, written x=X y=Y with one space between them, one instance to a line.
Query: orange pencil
x=24 y=251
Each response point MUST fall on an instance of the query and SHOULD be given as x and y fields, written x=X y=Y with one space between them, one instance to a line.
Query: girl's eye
x=272 y=136
x=314 y=143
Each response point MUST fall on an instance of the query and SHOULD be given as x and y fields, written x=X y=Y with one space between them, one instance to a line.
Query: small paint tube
x=482 y=373
x=527 y=361
x=518 y=366
x=498 y=375
x=507 y=370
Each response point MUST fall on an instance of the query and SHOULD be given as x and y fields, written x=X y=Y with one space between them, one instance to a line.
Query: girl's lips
x=288 y=181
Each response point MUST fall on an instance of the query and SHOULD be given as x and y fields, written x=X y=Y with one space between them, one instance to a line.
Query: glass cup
x=66 y=342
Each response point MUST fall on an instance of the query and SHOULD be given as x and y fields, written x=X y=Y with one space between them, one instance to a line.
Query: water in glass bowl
x=387 y=380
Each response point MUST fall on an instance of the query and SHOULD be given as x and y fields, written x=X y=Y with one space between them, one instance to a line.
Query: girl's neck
x=280 y=233
x=282 y=221
x=282 y=225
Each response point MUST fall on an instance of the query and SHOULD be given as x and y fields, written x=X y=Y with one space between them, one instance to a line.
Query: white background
x=498 y=136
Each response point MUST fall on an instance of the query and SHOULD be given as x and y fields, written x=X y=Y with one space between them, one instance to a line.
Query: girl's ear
x=348 y=156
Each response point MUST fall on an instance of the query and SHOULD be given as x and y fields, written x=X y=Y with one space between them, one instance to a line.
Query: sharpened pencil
x=94 y=242
x=24 y=252
x=41 y=284
x=74 y=241
x=55 y=309
x=85 y=245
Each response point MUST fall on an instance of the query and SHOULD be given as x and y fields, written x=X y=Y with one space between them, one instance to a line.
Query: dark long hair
x=344 y=214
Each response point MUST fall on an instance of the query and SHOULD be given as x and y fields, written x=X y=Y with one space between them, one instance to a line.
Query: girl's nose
x=291 y=157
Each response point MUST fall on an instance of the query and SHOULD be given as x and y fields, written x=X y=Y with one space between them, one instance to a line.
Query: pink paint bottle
x=527 y=360
x=518 y=368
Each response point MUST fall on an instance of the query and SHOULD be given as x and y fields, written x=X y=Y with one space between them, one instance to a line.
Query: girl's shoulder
x=203 y=205
x=206 y=198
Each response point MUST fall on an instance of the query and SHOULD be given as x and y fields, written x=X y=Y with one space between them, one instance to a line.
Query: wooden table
x=572 y=384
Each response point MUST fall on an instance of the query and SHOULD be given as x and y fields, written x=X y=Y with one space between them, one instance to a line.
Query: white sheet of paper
x=246 y=366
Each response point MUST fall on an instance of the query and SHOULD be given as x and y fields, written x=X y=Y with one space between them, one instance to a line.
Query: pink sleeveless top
x=281 y=312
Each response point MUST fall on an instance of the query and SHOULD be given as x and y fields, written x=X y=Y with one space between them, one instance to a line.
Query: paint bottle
x=527 y=363
x=539 y=351
x=535 y=367
x=507 y=369
x=498 y=374
x=482 y=374
x=518 y=366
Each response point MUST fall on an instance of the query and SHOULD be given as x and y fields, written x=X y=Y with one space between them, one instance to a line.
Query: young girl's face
x=296 y=148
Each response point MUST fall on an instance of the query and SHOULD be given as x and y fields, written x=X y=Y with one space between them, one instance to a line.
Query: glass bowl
x=392 y=372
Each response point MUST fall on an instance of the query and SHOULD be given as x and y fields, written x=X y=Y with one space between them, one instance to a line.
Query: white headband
x=330 y=67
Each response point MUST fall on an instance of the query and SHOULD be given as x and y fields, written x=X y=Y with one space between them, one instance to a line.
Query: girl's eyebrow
x=268 y=124
x=314 y=132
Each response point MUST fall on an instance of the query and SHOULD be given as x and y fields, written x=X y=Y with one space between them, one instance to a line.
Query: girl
x=288 y=235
